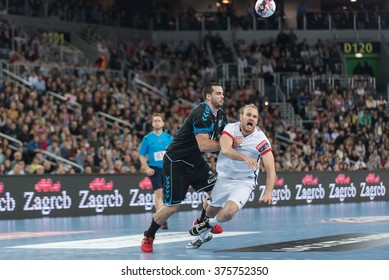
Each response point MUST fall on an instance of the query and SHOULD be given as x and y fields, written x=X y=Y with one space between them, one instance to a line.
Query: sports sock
x=212 y=221
x=152 y=229
x=205 y=234
x=202 y=216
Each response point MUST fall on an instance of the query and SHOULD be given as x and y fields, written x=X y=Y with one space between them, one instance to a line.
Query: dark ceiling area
x=325 y=5
x=368 y=5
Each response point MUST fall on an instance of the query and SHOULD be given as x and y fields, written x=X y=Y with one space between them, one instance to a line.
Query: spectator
x=33 y=147
x=81 y=156
x=48 y=167
x=132 y=169
x=88 y=169
x=18 y=169
x=371 y=164
x=360 y=164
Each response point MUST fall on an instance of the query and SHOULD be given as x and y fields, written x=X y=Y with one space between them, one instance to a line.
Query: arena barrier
x=32 y=196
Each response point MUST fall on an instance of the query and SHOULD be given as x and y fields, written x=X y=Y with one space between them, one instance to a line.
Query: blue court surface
x=347 y=231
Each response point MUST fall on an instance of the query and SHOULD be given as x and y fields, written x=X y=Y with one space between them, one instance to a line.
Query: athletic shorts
x=237 y=191
x=179 y=175
x=157 y=178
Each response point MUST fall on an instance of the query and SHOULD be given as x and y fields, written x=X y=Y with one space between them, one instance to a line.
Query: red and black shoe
x=147 y=244
x=216 y=229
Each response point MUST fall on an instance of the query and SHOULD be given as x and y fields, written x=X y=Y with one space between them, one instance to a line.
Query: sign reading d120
x=360 y=47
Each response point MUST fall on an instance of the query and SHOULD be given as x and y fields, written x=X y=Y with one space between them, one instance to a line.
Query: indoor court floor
x=345 y=231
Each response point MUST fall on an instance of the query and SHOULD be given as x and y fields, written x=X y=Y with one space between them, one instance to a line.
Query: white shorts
x=227 y=189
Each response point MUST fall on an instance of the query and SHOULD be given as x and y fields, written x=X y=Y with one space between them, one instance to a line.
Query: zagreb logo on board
x=100 y=195
x=310 y=189
x=145 y=184
x=7 y=202
x=372 y=187
x=342 y=188
x=47 y=197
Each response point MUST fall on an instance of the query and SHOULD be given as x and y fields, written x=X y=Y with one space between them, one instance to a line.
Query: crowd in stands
x=17 y=44
x=347 y=127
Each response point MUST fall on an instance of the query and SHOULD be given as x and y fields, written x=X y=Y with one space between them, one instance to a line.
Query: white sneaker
x=198 y=241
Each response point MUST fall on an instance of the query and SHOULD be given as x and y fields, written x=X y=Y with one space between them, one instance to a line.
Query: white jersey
x=253 y=145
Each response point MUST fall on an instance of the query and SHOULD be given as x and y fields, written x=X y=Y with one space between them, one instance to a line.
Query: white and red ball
x=265 y=8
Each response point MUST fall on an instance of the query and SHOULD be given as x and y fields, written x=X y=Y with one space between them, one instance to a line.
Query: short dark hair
x=208 y=88
x=158 y=115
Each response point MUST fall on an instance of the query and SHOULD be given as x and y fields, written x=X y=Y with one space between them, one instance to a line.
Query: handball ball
x=265 y=8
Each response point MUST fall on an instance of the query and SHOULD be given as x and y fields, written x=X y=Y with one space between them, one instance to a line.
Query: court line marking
x=32 y=234
x=123 y=241
x=366 y=219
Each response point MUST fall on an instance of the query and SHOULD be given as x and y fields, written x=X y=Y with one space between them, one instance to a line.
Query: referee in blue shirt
x=154 y=145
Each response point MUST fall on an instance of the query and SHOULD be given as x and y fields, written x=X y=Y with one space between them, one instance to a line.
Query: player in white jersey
x=238 y=170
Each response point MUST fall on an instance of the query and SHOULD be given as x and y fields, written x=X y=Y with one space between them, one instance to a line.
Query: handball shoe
x=198 y=241
x=199 y=228
x=216 y=229
x=147 y=244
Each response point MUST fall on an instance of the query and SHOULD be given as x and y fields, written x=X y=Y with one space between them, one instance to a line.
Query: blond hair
x=251 y=105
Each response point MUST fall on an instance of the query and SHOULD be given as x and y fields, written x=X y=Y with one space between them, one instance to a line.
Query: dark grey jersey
x=200 y=120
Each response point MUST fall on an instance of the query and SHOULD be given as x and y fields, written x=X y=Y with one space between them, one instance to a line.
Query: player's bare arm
x=227 y=144
x=207 y=145
x=268 y=163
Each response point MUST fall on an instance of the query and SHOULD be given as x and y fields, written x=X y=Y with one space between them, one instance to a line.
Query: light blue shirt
x=155 y=147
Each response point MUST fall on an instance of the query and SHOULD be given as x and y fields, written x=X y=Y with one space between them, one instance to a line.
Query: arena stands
x=58 y=116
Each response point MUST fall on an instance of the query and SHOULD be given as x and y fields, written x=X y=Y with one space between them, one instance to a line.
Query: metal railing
x=13 y=140
x=27 y=85
x=15 y=143
x=71 y=104
x=280 y=96
x=20 y=67
x=234 y=73
x=113 y=121
x=229 y=71
x=166 y=67
x=287 y=111
x=149 y=88
x=47 y=154
x=288 y=140
x=22 y=83
x=311 y=82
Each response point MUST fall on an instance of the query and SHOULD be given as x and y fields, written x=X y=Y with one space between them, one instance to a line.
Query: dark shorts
x=179 y=175
x=157 y=178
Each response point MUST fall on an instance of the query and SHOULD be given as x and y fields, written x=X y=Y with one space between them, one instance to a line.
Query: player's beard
x=217 y=104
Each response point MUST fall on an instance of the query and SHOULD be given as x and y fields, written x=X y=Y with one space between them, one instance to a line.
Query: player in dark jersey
x=183 y=162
